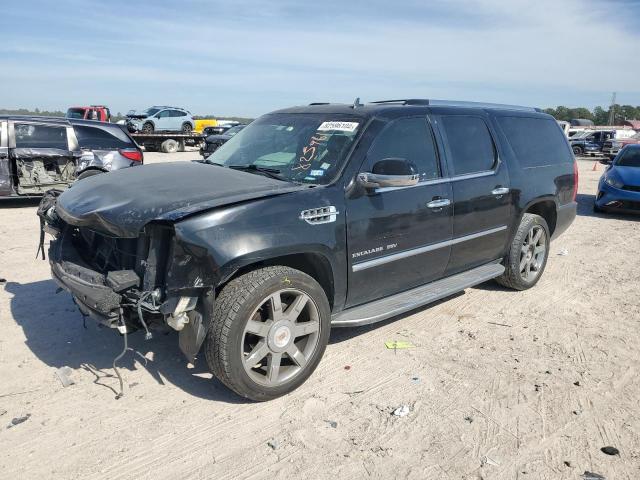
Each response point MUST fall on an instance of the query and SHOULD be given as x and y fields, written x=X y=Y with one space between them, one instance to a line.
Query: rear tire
x=148 y=128
x=268 y=331
x=187 y=128
x=528 y=254
x=169 y=146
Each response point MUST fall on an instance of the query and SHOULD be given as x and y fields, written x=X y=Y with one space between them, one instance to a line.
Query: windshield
x=75 y=113
x=151 y=111
x=305 y=148
x=629 y=157
x=233 y=130
x=580 y=135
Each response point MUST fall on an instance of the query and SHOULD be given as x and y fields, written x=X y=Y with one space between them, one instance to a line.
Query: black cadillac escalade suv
x=312 y=218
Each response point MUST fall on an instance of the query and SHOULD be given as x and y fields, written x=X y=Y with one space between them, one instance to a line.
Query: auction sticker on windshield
x=339 y=126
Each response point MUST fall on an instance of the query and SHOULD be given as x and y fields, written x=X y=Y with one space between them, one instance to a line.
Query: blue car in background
x=619 y=186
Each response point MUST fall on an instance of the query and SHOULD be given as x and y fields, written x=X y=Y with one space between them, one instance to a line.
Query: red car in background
x=92 y=112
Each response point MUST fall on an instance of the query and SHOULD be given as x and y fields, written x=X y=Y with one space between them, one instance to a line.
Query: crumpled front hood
x=122 y=202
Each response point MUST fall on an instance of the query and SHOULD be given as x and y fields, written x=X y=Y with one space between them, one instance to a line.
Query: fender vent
x=315 y=216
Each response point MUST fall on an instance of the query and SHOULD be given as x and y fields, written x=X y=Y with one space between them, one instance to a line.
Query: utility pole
x=612 y=110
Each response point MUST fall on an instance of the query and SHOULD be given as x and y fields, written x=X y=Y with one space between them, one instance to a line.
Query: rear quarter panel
x=554 y=181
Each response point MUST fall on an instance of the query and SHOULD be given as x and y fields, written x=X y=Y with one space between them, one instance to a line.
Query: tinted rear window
x=101 y=138
x=535 y=141
x=40 y=136
x=470 y=144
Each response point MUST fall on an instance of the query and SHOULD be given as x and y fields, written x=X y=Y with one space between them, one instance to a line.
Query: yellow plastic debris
x=398 y=345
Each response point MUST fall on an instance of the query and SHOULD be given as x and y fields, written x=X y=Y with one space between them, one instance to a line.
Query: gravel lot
x=500 y=385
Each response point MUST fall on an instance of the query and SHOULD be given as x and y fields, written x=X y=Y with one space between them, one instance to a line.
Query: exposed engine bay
x=130 y=283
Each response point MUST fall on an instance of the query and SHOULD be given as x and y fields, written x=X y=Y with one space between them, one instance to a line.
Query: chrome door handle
x=439 y=203
x=498 y=192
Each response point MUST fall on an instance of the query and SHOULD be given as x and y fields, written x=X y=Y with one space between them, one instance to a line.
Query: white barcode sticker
x=339 y=126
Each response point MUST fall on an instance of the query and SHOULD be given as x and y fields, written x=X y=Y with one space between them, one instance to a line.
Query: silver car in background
x=43 y=153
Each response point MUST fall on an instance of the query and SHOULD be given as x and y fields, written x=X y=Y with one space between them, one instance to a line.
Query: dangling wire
x=143 y=297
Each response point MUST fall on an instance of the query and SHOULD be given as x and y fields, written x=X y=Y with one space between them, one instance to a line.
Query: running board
x=403 y=302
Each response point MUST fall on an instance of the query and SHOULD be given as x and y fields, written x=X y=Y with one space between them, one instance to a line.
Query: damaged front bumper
x=138 y=292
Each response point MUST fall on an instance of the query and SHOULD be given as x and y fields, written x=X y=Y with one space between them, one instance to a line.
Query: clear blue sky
x=246 y=57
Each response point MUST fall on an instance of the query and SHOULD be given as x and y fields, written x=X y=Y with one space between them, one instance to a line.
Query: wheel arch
x=315 y=264
x=546 y=207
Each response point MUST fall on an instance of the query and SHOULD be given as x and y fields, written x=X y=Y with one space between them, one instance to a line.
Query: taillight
x=132 y=154
x=575 y=180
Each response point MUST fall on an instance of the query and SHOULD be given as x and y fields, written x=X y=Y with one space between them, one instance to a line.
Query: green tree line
x=599 y=115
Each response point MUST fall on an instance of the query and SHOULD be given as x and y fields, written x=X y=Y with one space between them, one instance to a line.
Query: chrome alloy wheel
x=533 y=253
x=280 y=337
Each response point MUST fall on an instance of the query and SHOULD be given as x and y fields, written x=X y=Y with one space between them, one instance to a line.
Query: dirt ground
x=500 y=384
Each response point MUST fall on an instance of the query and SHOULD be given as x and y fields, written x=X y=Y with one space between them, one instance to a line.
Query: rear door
x=481 y=192
x=6 y=182
x=398 y=236
x=42 y=154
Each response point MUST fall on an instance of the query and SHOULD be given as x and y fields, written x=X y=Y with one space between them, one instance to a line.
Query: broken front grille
x=105 y=253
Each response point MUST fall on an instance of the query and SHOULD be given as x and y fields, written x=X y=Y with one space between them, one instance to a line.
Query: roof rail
x=456 y=103
x=319 y=103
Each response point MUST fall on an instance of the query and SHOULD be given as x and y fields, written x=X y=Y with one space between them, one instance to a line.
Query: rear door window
x=30 y=135
x=535 y=141
x=469 y=143
x=178 y=113
x=100 y=138
x=410 y=139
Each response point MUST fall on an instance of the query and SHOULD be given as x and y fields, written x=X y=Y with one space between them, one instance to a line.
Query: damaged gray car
x=42 y=153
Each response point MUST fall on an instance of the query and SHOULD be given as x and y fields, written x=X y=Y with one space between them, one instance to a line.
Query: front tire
x=268 y=332
x=528 y=254
x=577 y=150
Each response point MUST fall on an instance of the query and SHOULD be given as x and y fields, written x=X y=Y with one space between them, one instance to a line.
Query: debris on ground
x=3 y=280
x=468 y=419
x=274 y=444
x=2 y=411
x=347 y=367
x=500 y=324
x=592 y=476
x=402 y=411
x=567 y=463
x=64 y=375
x=486 y=460
x=563 y=253
x=577 y=383
x=18 y=420
x=398 y=345
x=610 y=450
x=332 y=423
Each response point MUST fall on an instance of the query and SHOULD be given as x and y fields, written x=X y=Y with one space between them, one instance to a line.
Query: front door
x=163 y=120
x=481 y=193
x=398 y=237
x=6 y=182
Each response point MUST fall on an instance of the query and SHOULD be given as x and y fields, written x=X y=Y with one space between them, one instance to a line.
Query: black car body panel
x=186 y=229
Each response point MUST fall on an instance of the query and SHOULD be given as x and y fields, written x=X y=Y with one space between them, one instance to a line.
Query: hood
x=122 y=202
x=627 y=175
x=218 y=137
x=136 y=114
